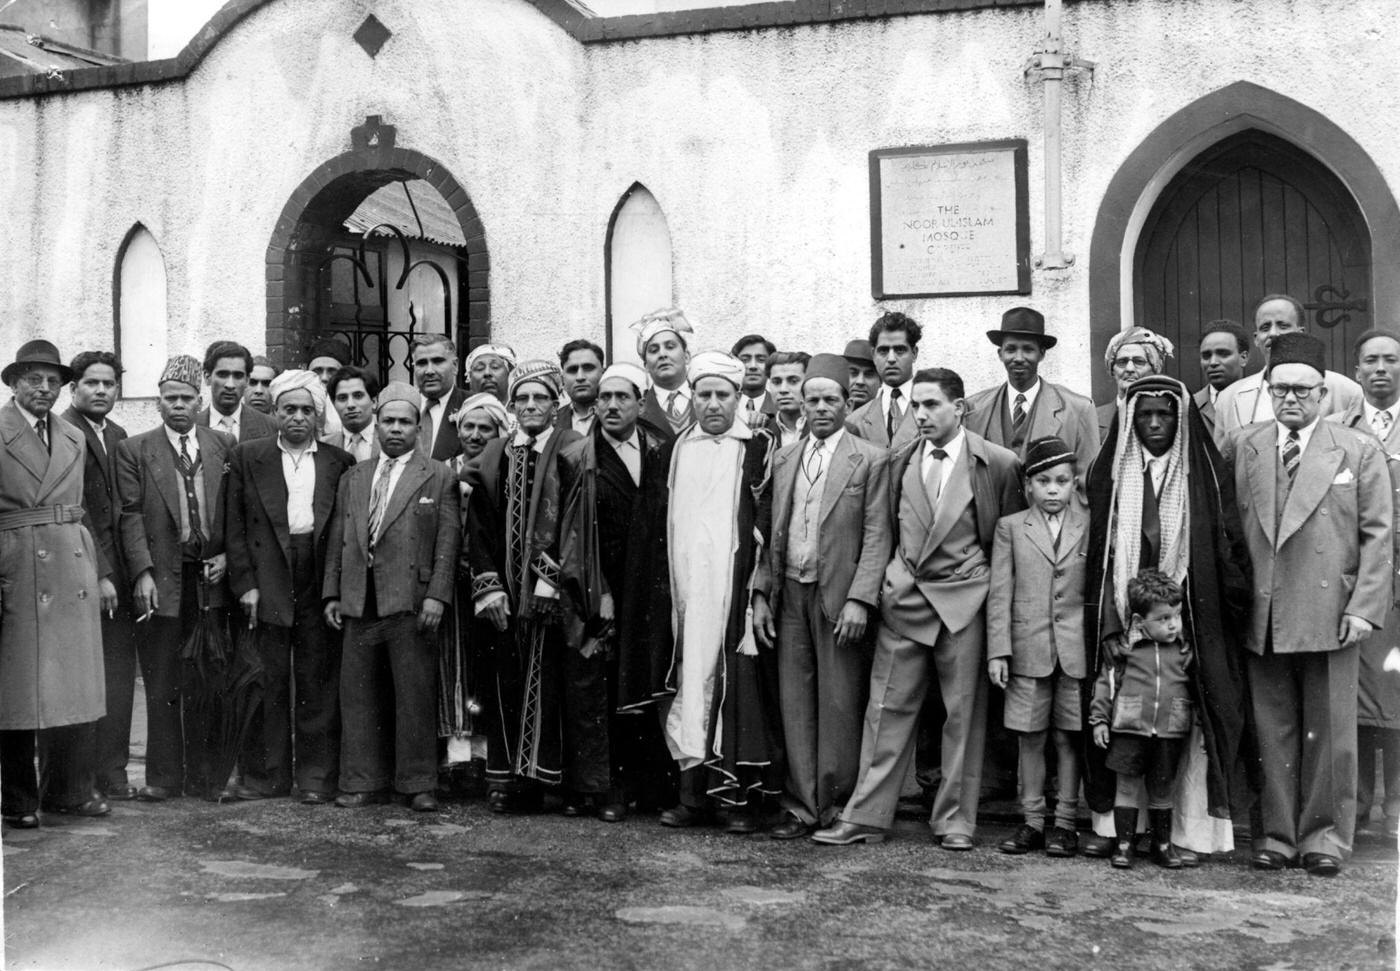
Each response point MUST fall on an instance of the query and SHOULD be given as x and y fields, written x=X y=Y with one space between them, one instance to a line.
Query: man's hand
x=1114 y=646
x=1353 y=630
x=852 y=624
x=249 y=603
x=764 y=630
x=999 y=671
x=430 y=615
x=107 y=591
x=495 y=607
x=215 y=567
x=1101 y=735
x=332 y=614
x=143 y=593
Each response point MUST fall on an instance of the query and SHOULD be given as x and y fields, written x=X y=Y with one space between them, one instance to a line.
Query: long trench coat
x=50 y=628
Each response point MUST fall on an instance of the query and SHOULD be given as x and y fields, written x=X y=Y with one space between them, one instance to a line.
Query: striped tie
x=1018 y=413
x=1292 y=452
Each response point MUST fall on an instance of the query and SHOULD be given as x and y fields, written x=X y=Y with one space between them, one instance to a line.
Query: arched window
x=638 y=253
x=141 y=323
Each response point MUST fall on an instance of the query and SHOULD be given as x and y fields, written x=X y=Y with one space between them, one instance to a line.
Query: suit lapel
x=1259 y=469
x=844 y=462
x=410 y=479
x=952 y=501
x=872 y=423
x=272 y=492
x=323 y=498
x=24 y=442
x=785 y=468
x=1316 y=468
x=1045 y=414
x=912 y=487
x=212 y=452
x=1037 y=530
x=1072 y=523
x=64 y=449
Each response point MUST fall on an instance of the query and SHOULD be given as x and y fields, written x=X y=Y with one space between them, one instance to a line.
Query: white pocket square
x=1343 y=477
x=424 y=499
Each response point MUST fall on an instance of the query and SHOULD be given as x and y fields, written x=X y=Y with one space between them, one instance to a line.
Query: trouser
x=821 y=689
x=388 y=687
x=114 y=728
x=607 y=753
x=301 y=662
x=1305 y=714
x=694 y=793
x=65 y=776
x=1369 y=741
x=177 y=757
x=899 y=681
x=1032 y=777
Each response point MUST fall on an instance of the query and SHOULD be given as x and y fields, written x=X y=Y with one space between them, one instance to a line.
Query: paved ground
x=277 y=885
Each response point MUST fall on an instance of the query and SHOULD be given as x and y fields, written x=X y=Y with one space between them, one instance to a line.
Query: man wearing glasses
x=1245 y=402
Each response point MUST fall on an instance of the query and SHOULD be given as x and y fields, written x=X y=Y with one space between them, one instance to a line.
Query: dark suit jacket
x=446 y=444
x=1206 y=407
x=149 y=485
x=416 y=556
x=258 y=537
x=100 y=498
x=1107 y=414
x=1058 y=411
x=252 y=424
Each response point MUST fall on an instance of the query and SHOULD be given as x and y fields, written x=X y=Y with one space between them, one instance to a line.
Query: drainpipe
x=1049 y=64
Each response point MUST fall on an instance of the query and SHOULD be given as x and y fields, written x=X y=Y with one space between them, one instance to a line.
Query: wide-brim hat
x=1023 y=322
x=859 y=352
x=36 y=352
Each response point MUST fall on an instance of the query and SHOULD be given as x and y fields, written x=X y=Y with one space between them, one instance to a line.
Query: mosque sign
x=949 y=220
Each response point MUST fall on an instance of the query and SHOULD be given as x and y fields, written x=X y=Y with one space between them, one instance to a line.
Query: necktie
x=1292 y=453
x=671 y=406
x=1381 y=423
x=748 y=403
x=41 y=428
x=188 y=470
x=1054 y=522
x=226 y=424
x=1018 y=413
x=892 y=419
x=425 y=429
x=933 y=479
x=379 y=503
x=816 y=462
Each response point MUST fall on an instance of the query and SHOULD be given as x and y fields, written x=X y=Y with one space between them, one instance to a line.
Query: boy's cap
x=1045 y=453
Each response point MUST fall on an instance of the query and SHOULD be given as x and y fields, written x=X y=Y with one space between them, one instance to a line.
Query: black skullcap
x=1045 y=453
x=1296 y=347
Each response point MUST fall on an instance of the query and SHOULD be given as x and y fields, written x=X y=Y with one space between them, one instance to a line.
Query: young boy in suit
x=1035 y=640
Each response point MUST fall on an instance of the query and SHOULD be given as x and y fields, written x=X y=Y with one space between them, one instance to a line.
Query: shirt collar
x=521 y=437
x=29 y=416
x=953 y=449
x=216 y=416
x=384 y=459
x=174 y=437
x=1149 y=460
x=1031 y=394
x=905 y=390
x=828 y=444
x=97 y=426
x=632 y=441
x=684 y=391
x=1304 y=434
x=282 y=446
x=367 y=431
x=1369 y=411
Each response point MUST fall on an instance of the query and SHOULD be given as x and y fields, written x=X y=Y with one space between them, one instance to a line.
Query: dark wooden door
x=1253 y=215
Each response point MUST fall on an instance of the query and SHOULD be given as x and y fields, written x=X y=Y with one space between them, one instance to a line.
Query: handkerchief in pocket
x=1343 y=477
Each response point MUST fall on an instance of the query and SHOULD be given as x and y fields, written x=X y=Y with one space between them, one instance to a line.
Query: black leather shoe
x=156 y=793
x=22 y=820
x=241 y=793
x=1061 y=842
x=790 y=828
x=740 y=823
x=93 y=807
x=358 y=800
x=613 y=812
x=1269 y=860
x=683 y=817
x=1321 y=864
x=423 y=802
x=120 y=793
x=1099 y=847
x=316 y=797
x=1190 y=859
x=496 y=800
x=1024 y=840
x=843 y=833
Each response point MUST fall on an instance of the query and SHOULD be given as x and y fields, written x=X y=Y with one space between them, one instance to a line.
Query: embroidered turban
x=540 y=372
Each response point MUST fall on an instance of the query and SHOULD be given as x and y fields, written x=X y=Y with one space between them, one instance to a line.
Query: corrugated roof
x=24 y=53
x=415 y=207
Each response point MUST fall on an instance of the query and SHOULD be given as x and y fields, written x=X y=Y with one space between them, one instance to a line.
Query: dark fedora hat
x=859 y=352
x=35 y=352
x=1022 y=322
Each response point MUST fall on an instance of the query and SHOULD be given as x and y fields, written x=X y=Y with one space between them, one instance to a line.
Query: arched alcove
x=140 y=319
x=637 y=260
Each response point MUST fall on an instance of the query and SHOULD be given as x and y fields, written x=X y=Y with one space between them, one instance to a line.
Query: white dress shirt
x=191 y=443
x=192 y=450
x=581 y=422
x=954 y=451
x=1304 y=436
x=630 y=451
x=1157 y=467
x=232 y=424
x=1369 y=412
x=522 y=438
x=1030 y=395
x=299 y=472
x=395 y=473
x=435 y=412
x=905 y=390
x=359 y=444
x=100 y=427
x=663 y=398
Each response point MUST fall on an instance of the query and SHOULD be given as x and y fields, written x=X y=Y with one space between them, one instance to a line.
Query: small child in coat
x=1035 y=640
x=1142 y=712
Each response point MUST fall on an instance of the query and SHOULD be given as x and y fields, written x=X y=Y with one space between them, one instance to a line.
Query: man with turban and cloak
x=1134 y=353
x=722 y=726
x=613 y=544
x=1161 y=497
x=513 y=550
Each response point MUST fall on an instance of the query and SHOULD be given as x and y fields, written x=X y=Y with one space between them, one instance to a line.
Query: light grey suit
x=868 y=422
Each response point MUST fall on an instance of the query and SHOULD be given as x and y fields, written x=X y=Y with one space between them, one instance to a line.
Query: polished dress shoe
x=1024 y=840
x=22 y=820
x=496 y=800
x=1061 y=842
x=93 y=807
x=316 y=797
x=240 y=792
x=740 y=823
x=423 y=802
x=844 y=834
x=1321 y=864
x=958 y=842
x=683 y=817
x=790 y=828
x=1190 y=859
x=1269 y=860
x=1099 y=847
x=613 y=812
x=156 y=793
x=120 y=793
x=358 y=800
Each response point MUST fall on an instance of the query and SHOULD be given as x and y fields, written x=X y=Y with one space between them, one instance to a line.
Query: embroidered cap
x=185 y=369
x=538 y=371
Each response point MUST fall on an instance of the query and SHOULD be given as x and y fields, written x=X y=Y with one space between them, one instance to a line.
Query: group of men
x=713 y=583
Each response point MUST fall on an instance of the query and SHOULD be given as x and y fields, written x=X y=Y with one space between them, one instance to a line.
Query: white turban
x=504 y=351
x=716 y=364
x=628 y=372
x=485 y=401
x=658 y=322
x=299 y=379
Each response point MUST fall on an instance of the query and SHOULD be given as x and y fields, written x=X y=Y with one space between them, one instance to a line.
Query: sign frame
x=1017 y=147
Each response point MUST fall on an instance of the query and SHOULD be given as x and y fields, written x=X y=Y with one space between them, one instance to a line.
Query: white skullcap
x=628 y=372
x=303 y=380
x=716 y=364
x=504 y=351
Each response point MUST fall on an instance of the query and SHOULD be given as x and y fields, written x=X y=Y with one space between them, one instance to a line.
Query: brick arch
x=322 y=203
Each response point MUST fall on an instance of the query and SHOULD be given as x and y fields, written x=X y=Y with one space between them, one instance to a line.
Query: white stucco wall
x=755 y=143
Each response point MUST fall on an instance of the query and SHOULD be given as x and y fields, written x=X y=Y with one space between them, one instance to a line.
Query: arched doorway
x=1149 y=172
x=1253 y=214
x=637 y=271
x=309 y=262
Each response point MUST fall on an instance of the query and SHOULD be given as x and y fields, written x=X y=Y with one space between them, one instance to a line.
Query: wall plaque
x=949 y=220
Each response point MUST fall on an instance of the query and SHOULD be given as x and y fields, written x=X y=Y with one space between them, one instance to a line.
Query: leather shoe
x=790 y=828
x=1321 y=864
x=1024 y=840
x=238 y=791
x=740 y=823
x=1099 y=847
x=316 y=797
x=358 y=800
x=1061 y=842
x=22 y=820
x=423 y=802
x=844 y=834
x=1190 y=859
x=613 y=812
x=683 y=817
x=496 y=800
x=156 y=793
x=120 y=793
x=1269 y=860
x=956 y=841
x=93 y=807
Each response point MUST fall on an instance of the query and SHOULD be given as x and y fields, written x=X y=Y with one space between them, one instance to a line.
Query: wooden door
x=1253 y=215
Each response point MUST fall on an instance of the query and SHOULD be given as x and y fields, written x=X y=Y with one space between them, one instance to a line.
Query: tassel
x=748 y=647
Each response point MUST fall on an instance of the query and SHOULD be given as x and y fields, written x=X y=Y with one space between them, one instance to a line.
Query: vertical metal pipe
x=1052 y=73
